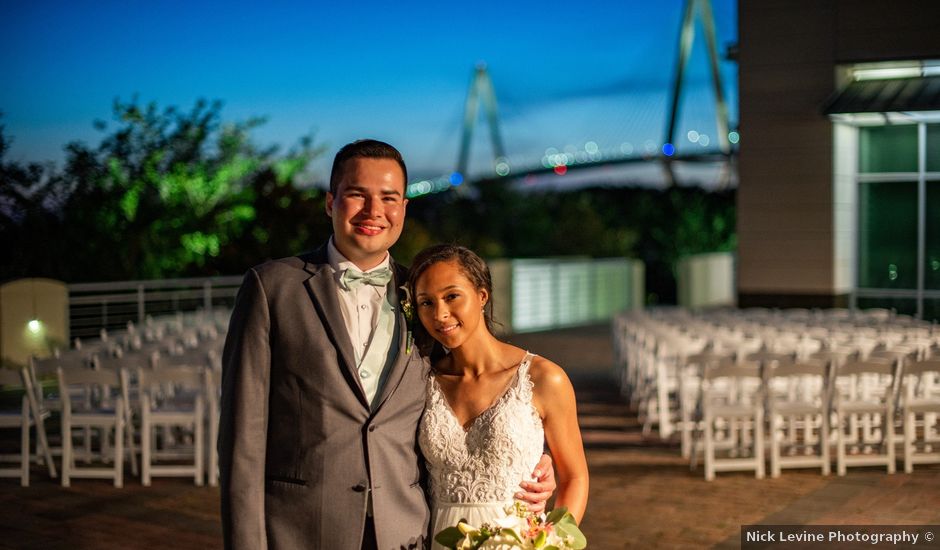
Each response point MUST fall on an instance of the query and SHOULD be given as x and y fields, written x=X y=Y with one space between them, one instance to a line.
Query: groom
x=321 y=390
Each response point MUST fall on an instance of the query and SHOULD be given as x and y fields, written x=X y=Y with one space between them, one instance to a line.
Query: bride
x=490 y=406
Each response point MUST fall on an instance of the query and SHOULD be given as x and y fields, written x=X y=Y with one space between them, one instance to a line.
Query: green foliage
x=165 y=193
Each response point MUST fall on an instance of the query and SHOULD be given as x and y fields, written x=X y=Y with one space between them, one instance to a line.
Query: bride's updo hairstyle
x=472 y=266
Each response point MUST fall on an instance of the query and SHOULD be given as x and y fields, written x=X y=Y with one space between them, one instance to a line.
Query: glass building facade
x=898 y=215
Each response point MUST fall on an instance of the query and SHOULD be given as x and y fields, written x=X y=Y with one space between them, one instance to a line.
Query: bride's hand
x=536 y=493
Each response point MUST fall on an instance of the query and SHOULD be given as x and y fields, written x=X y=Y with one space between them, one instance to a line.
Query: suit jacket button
x=359 y=487
x=371 y=428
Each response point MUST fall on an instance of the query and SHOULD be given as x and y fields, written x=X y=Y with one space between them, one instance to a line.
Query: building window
x=898 y=261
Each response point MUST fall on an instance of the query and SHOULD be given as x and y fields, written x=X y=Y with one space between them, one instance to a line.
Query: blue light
x=669 y=149
x=456 y=178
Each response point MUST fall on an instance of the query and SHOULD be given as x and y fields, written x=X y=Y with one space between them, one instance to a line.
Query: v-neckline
x=502 y=394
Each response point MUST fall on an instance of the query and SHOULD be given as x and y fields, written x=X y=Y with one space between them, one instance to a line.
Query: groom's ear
x=328 y=206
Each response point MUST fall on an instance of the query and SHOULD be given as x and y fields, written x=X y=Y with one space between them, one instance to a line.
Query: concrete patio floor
x=643 y=494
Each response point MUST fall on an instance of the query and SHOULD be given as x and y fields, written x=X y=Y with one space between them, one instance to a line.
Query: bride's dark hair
x=472 y=266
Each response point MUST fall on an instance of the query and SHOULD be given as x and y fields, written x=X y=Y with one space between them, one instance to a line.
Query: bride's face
x=449 y=306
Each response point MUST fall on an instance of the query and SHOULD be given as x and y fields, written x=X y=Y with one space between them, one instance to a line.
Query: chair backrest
x=708 y=359
x=767 y=357
x=184 y=376
x=729 y=369
x=191 y=357
x=807 y=367
x=128 y=360
x=920 y=367
x=100 y=377
x=876 y=365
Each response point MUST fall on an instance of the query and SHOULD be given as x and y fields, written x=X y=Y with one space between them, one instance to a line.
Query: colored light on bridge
x=561 y=169
x=704 y=140
x=734 y=137
x=34 y=326
x=693 y=136
x=669 y=149
x=502 y=168
x=591 y=147
x=626 y=148
x=456 y=178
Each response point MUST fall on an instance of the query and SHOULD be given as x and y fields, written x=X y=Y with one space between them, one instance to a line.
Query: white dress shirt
x=360 y=307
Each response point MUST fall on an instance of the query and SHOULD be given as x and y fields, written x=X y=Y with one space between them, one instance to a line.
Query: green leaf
x=556 y=515
x=506 y=532
x=540 y=539
x=567 y=527
x=449 y=537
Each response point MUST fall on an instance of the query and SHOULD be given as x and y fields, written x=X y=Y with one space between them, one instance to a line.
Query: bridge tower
x=686 y=37
x=481 y=89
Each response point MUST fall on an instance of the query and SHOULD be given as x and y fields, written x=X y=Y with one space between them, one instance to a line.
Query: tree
x=165 y=194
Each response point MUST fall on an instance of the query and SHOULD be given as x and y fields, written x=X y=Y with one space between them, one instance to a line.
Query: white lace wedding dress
x=475 y=472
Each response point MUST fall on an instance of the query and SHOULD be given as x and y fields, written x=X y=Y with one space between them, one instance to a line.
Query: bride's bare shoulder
x=548 y=377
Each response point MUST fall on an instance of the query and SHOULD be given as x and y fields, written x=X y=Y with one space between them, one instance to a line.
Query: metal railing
x=96 y=306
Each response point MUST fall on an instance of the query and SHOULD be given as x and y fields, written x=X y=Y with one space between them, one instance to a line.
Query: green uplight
x=34 y=326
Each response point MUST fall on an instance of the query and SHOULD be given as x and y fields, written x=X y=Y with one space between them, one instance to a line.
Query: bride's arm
x=554 y=397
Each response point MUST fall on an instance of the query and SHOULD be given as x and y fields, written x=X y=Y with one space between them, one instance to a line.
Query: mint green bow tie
x=352 y=278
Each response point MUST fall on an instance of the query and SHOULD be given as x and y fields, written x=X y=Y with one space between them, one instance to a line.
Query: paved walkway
x=642 y=493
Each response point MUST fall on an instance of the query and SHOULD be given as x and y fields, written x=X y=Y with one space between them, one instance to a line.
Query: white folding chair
x=205 y=357
x=690 y=401
x=172 y=398
x=798 y=413
x=103 y=412
x=21 y=418
x=863 y=401
x=921 y=399
x=733 y=410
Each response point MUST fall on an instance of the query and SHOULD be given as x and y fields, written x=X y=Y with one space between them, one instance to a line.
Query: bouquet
x=520 y=529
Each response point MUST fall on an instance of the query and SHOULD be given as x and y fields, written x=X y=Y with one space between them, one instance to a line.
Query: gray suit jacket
x=300 y=448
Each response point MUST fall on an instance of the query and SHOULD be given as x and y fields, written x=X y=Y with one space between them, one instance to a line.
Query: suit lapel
x=322 y=288
x=397 y=369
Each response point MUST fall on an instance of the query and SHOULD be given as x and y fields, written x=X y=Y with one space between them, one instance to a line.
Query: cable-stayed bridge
x=659 y=136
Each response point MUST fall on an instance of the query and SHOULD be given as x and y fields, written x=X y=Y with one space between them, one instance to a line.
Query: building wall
x=796 y=205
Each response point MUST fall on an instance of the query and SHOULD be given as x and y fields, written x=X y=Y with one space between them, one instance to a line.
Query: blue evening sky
x=565 y=73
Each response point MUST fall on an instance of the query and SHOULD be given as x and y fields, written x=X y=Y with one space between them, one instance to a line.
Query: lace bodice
x=486 y=461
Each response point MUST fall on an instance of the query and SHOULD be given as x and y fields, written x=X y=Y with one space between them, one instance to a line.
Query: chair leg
x=129 y=437
x=709 y=449
x=199 y=436
x=44 y=447
x=119 y=448
x=909 y=432
x=759 y=441
x=888 y=429
x=213 y=451
x=774 y=447
x=67 y=463
x=824 y=444
x=145 y=444
x=24 y=444
x=840 y=445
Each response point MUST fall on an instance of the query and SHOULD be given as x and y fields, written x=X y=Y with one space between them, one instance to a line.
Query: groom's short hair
x=364 y=148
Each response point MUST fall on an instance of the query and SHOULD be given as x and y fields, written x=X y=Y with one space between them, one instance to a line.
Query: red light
x=561 y=169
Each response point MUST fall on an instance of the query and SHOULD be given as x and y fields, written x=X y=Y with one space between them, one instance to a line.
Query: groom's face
x=368 y=209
